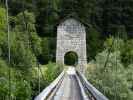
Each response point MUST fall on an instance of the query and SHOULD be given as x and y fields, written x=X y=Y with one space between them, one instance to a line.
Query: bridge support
x=71 y=36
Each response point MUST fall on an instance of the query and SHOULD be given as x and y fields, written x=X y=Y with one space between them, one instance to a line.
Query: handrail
x=90 y=88
x=84 y=95
x=46 y=92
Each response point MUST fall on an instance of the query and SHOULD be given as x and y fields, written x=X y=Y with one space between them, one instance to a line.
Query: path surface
x=68 y=86
x=69 y=89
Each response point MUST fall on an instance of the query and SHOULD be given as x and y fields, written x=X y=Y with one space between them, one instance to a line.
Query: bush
x=44 y=58
x=20 y=88
x=22 y=57
x=51 y=72
x=47 y=74
x=124 y=46
x=111 y=80
x=2 y=19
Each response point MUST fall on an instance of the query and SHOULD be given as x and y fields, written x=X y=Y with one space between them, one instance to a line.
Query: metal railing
x=95 y=94
x=84 y=85
x=48 y=90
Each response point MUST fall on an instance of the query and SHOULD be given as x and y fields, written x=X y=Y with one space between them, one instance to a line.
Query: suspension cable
x=37 y=62
x=9 y=47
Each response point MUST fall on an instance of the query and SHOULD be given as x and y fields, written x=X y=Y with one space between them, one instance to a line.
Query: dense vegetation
x=33 y=26
x=115 y=79
x=102 y=18
x=26 y=47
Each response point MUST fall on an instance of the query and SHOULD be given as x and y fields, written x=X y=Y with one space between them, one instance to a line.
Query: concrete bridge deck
x=69 y=89
x=71 y=85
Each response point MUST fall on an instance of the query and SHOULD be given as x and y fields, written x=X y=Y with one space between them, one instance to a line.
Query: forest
x=33 y=29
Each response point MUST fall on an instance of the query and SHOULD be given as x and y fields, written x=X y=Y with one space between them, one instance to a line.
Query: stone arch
x=71 y=36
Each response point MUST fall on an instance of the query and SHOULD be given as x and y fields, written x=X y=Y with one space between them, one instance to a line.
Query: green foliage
x=46 y=74
x=107 y=17
x=36 y=44
x=94 y=42
x=25 y=21
x=2 y=19
x=52 y=49
x=3 y=38
x=20 y=88
x=129 y=76
x=114 y=43
x=124 y=46
x=3 y=68
x=112 y=80
x=21 y=56
x=45 y=56
x=3 y=35
x=51 y=72
x=23 y=90
x=30 y=19
x=102 y=18
x=24 y=85
x=127 y=52
x=27 y=41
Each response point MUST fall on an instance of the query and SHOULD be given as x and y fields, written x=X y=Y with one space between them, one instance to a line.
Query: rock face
x=71 y=37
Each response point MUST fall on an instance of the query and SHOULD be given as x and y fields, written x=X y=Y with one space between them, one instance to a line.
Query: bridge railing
x=95 y=94
x=48 y=90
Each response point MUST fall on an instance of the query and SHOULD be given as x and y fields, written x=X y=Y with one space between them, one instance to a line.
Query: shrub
x=47 y=74
x=20 y=88
x=110 y=80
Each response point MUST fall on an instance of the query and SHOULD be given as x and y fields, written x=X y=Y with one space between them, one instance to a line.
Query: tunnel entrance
x=71 y=58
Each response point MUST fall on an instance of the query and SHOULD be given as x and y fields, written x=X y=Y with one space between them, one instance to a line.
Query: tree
x=44 y=58
x=94 y=43
x=127 y=52
x=22 y=57
x=36 y=42
x=2 y=19
x=112 y=80
x=3 y=34
x=21 y=53
x=124 y=46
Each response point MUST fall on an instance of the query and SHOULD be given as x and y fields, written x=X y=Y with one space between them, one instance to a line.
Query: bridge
x=71 y=84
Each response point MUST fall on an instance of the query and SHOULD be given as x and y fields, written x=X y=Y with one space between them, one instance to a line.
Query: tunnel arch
x=71 y=58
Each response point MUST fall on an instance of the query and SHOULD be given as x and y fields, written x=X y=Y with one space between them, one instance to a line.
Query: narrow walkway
x=69 y=89
x=68 y=86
